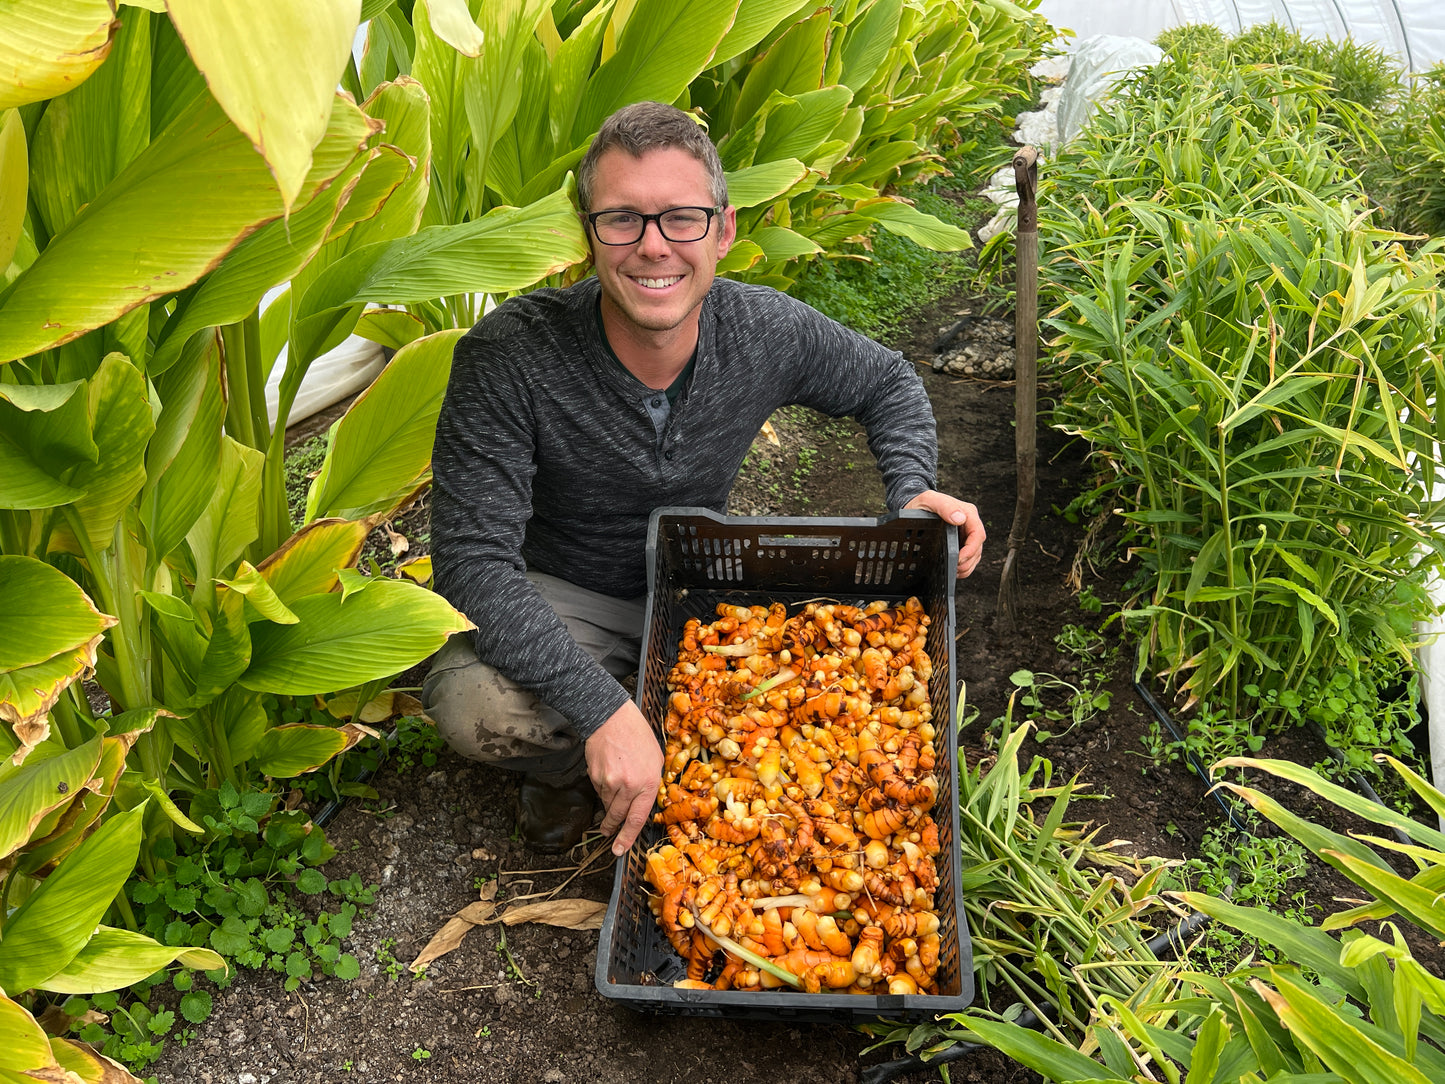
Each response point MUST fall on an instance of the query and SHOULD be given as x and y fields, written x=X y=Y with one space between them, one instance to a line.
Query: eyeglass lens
x=627 y=227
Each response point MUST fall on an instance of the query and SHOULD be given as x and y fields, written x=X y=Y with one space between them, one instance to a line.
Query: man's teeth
x=658 y=284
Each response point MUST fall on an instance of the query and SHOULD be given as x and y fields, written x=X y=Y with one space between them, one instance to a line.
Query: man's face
x=655 y=285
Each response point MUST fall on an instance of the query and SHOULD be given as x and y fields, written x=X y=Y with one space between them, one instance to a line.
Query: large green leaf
x=376 y=633
x=274 y=66
x=47 y=49
x=14 y=182
x=380 y=447
x=663 y=48
x=754 y=21
x=799 y=125
x=792 y=65
x=507 y=249
x=45 y=933
x=572 y=64
x=191 y=197
x=37 y=787
x=43 y=613
x=752 y=186
x=868 y=40
x=114 y=959
x=920 y=228
x=271 y=255
x=404 y=109
x=490 y=99
x=444 y=73
x=42 y=441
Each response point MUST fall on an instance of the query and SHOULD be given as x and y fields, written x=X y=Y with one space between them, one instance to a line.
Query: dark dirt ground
x=437 y=830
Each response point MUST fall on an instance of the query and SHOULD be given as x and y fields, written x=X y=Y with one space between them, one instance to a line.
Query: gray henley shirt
x=550 y=455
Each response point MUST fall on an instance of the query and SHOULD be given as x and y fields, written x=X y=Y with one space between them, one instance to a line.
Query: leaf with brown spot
x=570 y=914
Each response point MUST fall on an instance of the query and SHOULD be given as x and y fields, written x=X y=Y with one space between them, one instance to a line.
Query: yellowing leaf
x=274 y=66
x=47 y=48
x=417 y=569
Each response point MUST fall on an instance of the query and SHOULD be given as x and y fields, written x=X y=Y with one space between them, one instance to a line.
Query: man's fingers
x=633 y=825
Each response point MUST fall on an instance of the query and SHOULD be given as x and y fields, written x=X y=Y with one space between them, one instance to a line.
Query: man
x=570 y=415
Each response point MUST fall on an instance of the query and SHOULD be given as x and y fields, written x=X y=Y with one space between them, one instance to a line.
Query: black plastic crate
x=696 y=559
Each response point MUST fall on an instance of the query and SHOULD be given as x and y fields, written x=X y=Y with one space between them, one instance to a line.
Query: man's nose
x=652 y=240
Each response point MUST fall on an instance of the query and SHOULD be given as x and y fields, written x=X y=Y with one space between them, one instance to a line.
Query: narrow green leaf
x=1343 y=1048
x=1048 y=1057
x=1342 y=797
x=14 y=182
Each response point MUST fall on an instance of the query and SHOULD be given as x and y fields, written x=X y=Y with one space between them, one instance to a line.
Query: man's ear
x=727 y=230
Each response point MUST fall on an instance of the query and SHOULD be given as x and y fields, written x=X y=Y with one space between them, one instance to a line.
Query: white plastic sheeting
x=1412 y=30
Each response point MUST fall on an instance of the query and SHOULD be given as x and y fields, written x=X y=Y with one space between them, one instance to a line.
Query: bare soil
x=520 y=1004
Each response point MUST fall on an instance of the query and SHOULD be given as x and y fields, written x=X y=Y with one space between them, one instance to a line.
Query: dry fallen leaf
x=572 y=914
x=771 y=433
x=481 y=854
x=457 y=927
x=397 y=540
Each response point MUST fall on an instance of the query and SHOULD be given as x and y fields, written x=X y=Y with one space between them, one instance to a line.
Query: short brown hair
x=645 y=126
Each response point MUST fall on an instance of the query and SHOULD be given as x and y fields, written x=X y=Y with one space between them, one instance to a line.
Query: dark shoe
x=552 y=820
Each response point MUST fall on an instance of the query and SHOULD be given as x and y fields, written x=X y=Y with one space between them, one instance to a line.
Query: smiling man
x=570 y=415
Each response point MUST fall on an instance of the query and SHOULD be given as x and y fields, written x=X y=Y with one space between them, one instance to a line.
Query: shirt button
x=667 y=454
x=657 y=400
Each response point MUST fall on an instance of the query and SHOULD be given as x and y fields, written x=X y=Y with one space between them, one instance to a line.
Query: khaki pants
x=488 y=717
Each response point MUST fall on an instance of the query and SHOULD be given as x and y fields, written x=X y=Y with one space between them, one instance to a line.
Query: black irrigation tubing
x=1161 y=946
x=333 y=805
x=1195 y=765
x=1361 y=783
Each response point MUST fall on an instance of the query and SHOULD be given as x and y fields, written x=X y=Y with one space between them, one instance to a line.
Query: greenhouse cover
x=1411 y=30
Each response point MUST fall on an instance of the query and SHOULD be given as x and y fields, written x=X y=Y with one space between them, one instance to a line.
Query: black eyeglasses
x=677 y=224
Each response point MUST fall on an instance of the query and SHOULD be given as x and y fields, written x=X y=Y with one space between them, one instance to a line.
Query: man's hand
x=624 y=763
x=965 y=515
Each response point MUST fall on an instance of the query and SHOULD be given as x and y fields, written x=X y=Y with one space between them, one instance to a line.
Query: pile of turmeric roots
x=796 y=796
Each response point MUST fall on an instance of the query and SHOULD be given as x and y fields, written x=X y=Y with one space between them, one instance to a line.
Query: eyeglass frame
x=656 y=219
